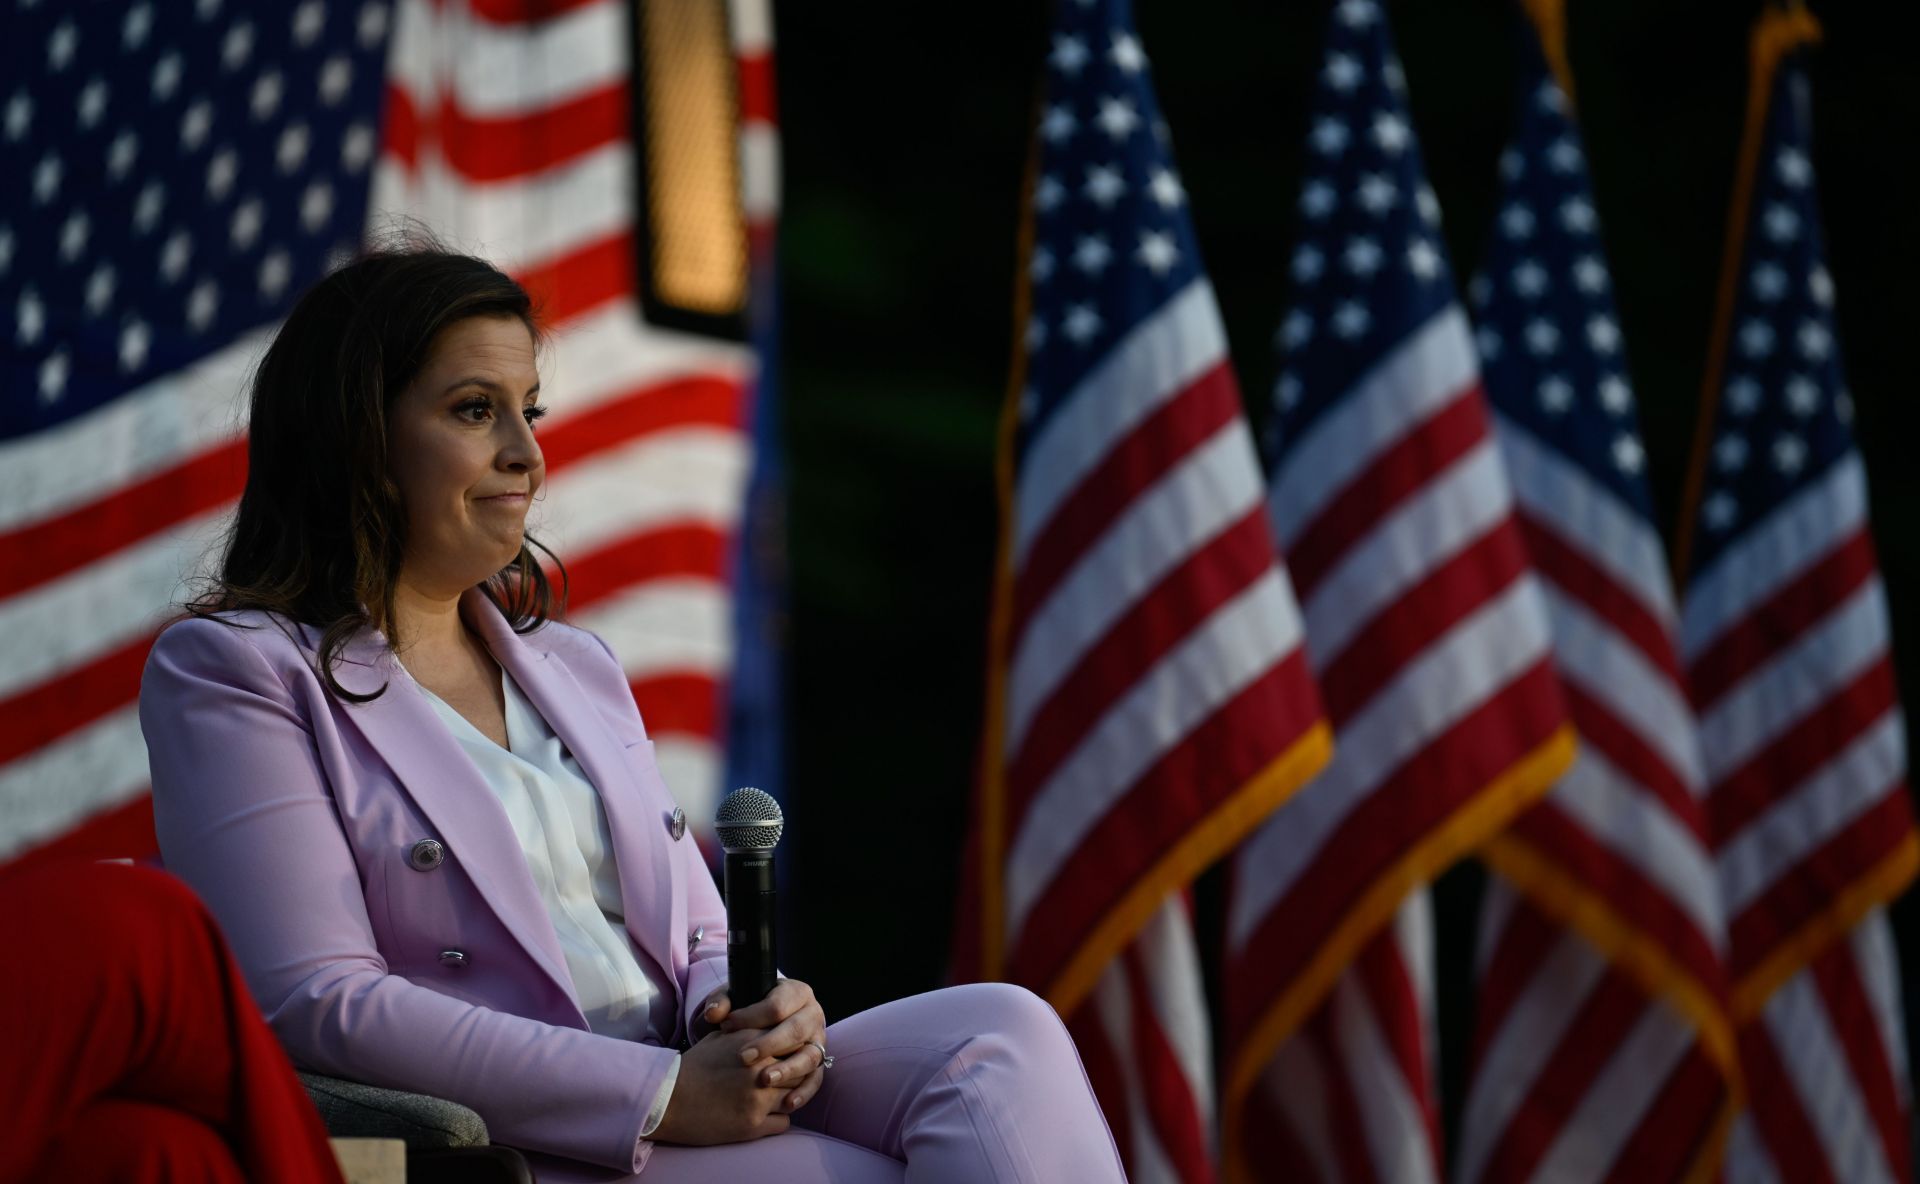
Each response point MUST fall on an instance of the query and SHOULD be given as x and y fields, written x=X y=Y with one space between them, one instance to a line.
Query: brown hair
x=320 y=530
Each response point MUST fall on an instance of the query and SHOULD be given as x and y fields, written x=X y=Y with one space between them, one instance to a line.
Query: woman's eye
x=535 y=415
x=474 y=410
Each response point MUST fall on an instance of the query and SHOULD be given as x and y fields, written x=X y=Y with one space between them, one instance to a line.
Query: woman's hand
x=792 y=1029
x=718 y=1097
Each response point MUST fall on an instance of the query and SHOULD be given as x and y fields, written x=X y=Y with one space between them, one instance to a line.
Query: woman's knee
x=1013 y=1012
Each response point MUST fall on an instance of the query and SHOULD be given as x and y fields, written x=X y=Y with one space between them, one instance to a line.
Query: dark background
x=904 y=149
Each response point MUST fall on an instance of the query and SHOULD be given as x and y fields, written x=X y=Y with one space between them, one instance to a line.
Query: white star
x=1350 y=320
x=53 y=376
x=1317 y=199
x=1376 y=194
x=291 y=152
x=100 y=285
x=1117 y=118
x=1782 y=224
x=1429 y=205
x=135 y=337
x=1564 y=156
x=356 y=147
x=1576 y=214
x=336 y=79
x=1422 y=259
x=134 y=30
x=1628 y=456
x=1792 y=167
x=1342 y=72
x=1296 y=330
x=1329 y=137
x=248 y=217
x=1287 y=391
x=1719 y=511
x=1362 y=256
x=61 y=44
x=1730 y=454
x=1091 y=254
x=147 y=207
x=29 y=317
x=46 y=179
x=1602 y=334
x=237 y=47
x=202 y=304
x=1165 y=188
x=316 y=206
x=1157 y=252
x=1743 y=395
x=1820 y=286
x=19 y=114
x=1489 y=342
x=1549 y=98
x=1082 y=323
x=1542 y=337
x=1391 y=133
x=1040 y=266
x=1516 y=221
x=1789 y=453
x=93 y=102
x=1395 y=76
x=207 y=9
x=1616 y=395
x=1048 y=194
x=1069 y=54
x=1308 y=263
x=1530 y=279
x=6 y=249
x=1556 y=394
x=1769 y=282
x=121 y=154
x=1104 y=185
x=222 y=171
x=73 y=236
x=1511 y=164
x=1057 y=124
x=1036 y=336
x=1803 y=395
x=1815 y=342
x=1126 y=53
x=1590 y=274
x=308 y=20
x=195 y=123
x=372 y=25
x=1356 y=14
x=1756 y=338
x=166 y=77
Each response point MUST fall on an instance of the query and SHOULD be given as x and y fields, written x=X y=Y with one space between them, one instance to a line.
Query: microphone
x=749 y=825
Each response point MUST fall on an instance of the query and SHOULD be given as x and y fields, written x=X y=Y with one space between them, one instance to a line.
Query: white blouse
x=562 y=827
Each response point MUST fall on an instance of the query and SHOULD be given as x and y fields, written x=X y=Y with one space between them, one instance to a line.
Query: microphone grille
x=749 y=820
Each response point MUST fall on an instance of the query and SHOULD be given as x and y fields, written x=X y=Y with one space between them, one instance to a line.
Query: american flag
x=189 y=170
x=1602 y=1049
x=1784 y=633
x=1148 y=697
x=1428 y=634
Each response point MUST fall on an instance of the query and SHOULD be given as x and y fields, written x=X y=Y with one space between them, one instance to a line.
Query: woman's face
x=461 y=450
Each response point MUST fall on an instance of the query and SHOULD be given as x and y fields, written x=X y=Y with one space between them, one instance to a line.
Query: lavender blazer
x=294 y=815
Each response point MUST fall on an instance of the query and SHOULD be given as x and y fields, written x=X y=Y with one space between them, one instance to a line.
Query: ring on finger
x=826 y=1062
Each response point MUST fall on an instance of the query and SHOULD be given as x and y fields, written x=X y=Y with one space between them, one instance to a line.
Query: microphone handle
x=750 y=962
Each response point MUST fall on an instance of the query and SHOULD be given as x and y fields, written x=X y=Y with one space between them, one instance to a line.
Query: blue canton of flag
x=176 y=179
x=1369 y=267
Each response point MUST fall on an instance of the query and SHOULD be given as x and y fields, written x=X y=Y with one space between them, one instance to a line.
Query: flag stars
x=1395 y=77
x=291 y=152
x=1317 y=200
x=1781 y=223
x=1391 y=133
x=46 y=179
x=1040 y=265
x=1563 y=156
x=237 y=46
x=1555 y=394
x=267 y=92
x=1820 y=287
x=1092 y=254
x=1480 y=290
x=1616 y=395
x=61 y=44
x=166 y=77
x=1423 y=260
x=1815 y=342
x=1549 y=99
x=1542 y=337
x=1530 y=279
x=1719 y=511
x=53 y=376
x=1730 y=453
x=276 y=271
x=19 y=114
x=1342 y=72
x=1058 y=124
x=6 y=249
x=222 y=171
x=1308 y=263
x=1356 y=14
x=1069 y=55
x=1590 y=275
x=1516 y=221
x=73 y=236
x=1287 y=392
x=1362 y=256
x=1511 y=164
x=92 y=103
x=1628 y=456
x=148 y=206
x=1843 y=407
x=1576 y=214
x=356 y=147
x=1789 y=454
x=1126 y=53
x=196 y=123
x=1329 y=137
x=1756 y=338
x=1048 y=194
x=135 y=339
x=1165 y=189
x=1350 y=320
x=29 y=316
x=1603 y=335
x=308 y=21
x=316 y=206
x=135 y=28
x=1157 y=252
x=1769 y=282
x=336 y=79
x=100 y=285
x=1117 y=118
x=1792 y=167
x=1489 y=342
x=1296 y=330
x=1803 y=396
x=1104 y=185
x=1429 y=205
x=203 y=304
x=1082 y=324
x=371 y=26
x=1743 y=395
x=1036 y=335
x=121 y=155
x=1376 y=194
x=1029 y=404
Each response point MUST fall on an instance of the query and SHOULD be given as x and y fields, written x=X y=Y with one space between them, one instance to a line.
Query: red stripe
x=121 y=832
x=1448 y=594
x=44 y=712
x=481 y=149
x=1343 y=1104
x=756 y=88
x=1155 y=447
x=1602 y=1021
x=695 y=400
x=1155 y=626
x=1382 y=974
x=1587 y=583
x=1853 y=1017
x=1187 y=783
x=684 y=703
x=1272 y=1149
x=1782 y=619
x=1417 y=799
x=524 y=12
x=692 y=550
x=1808 y=889
x=1778 y=1115
x=1773 y=772
x=1519 y=952
x=1673 y=1132
x=1102 y=1064
x=401 y=132
x=590 y=276
x=1395 y=475
x=53 y=547
x=1628 y=751
x=1169 y=1100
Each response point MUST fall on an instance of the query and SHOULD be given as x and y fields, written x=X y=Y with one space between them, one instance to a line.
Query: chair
x=446 y=1142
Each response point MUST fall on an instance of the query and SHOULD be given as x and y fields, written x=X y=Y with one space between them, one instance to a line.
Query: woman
x=430 y=821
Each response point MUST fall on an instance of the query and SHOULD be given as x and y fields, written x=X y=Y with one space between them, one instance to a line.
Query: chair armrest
x=355 y=1111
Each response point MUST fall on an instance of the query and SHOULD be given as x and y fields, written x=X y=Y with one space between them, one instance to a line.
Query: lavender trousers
x=969 y=1084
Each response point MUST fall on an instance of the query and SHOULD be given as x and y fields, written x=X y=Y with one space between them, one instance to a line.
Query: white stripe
x=58 y=787
x=686 y=475
x=1522 y=1046
x=611 y=351
x=1428 y=371
x=1748 y=1161
x=1639 y=829
x=1853 y=782
x=1794 y=537
x=1296 y=1082
x=1171 y=961
x=1795 y=681
x=1616 y=672
x=1503 y=639
x=1822 y=1080
x=759 y=171
x=1390 y=1112
x=1113 y=998
x=1209 y=491
x=1156 y=362
x=1587 y=517
x=1449 y=514
x=1243 y=639
x=1617 y=1101
x=691 y=766
x=1413 y=939
x=1879 y=968
x=752 y=27
x=665 y=627
x=496 y=71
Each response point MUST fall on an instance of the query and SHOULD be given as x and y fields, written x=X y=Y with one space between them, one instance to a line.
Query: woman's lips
x=505 y=499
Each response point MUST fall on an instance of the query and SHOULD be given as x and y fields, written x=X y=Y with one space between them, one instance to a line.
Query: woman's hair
x=321 y=529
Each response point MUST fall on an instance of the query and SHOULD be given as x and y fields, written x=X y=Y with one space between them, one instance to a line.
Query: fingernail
x=773 y=1076
x=749 y=1056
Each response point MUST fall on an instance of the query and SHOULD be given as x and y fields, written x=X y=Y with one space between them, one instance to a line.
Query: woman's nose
x=520 y=452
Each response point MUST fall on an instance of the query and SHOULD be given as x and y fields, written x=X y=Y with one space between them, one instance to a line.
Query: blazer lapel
x=645 y=864
x=402 y=726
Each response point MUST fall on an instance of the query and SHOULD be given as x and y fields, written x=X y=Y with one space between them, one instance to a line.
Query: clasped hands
x=749 y=1070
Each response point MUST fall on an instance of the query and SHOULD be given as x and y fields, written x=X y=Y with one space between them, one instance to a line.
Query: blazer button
x=455 y=959
x=677 y=825
x=426 y=855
